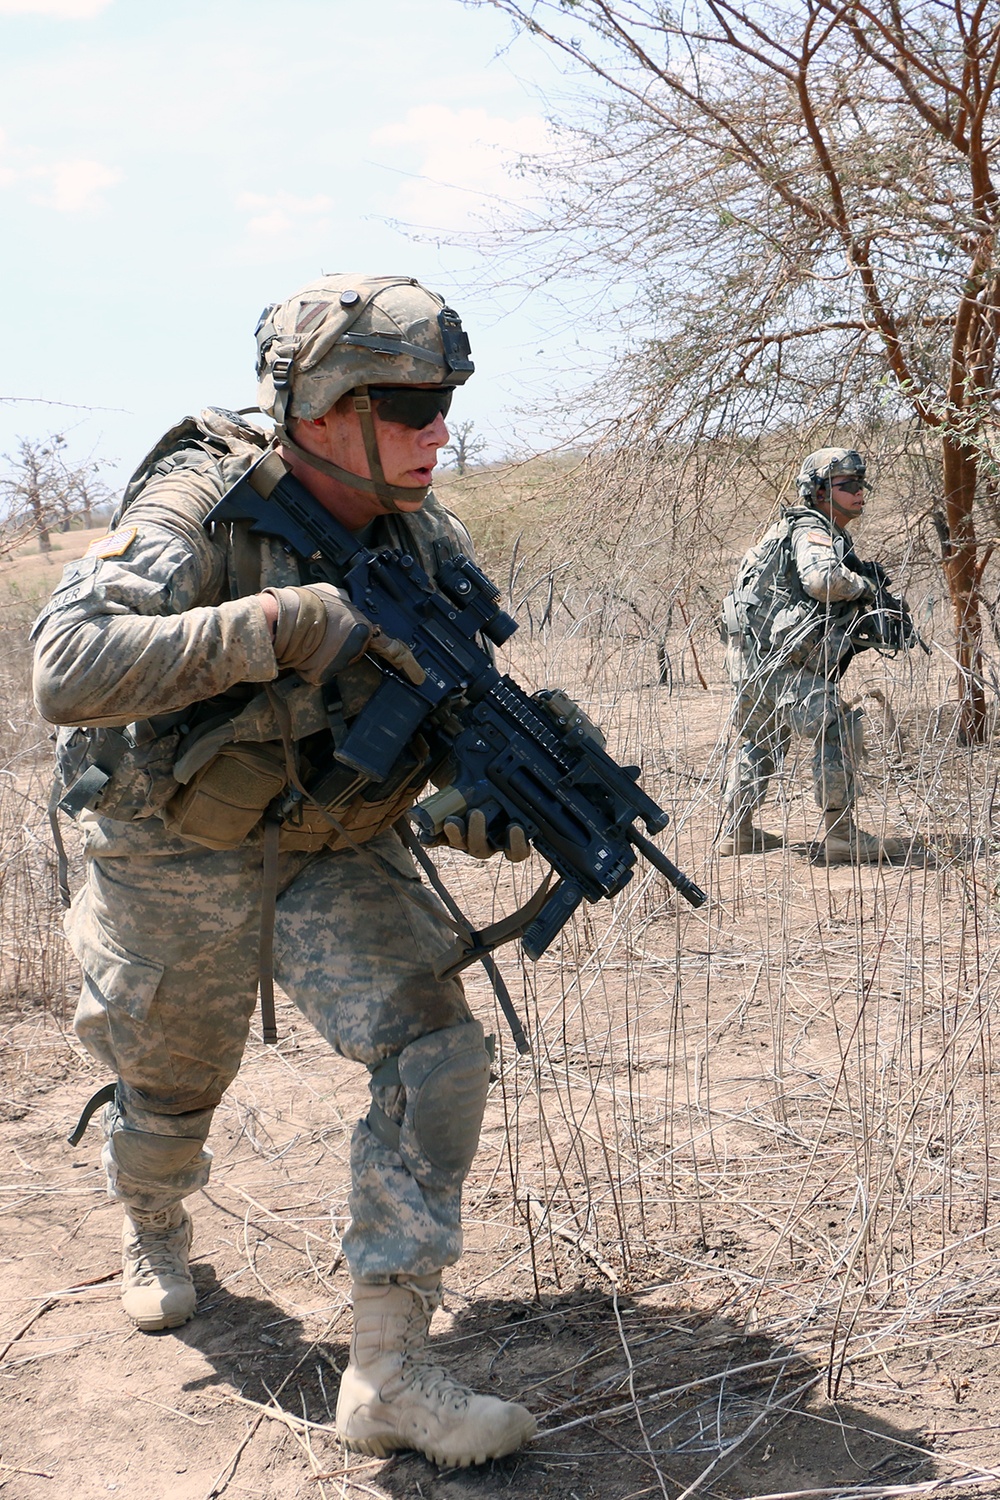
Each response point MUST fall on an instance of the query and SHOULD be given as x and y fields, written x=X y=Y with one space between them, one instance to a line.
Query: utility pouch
x=224 y=800
x=363 y=808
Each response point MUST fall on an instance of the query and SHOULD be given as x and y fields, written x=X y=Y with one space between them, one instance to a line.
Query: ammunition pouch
x=225 y=800
x=734 y=623
x=124 y=774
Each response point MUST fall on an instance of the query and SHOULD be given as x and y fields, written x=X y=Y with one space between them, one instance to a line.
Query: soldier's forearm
x=834 y=584
x=111 y=669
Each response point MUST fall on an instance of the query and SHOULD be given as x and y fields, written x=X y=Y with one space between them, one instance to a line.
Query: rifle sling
x=62 y=861
x=103 y=1096
x=473 y=945
x=265 y=945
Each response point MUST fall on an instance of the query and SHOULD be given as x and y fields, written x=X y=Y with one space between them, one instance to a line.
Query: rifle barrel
x=691 y=892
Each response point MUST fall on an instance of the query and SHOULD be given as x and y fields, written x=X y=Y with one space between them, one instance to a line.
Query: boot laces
x=434 y=1384
x=156 y=1248
x=419 y=1375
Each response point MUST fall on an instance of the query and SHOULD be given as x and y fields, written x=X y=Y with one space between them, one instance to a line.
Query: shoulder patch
x=819 y=538
x=115 y=544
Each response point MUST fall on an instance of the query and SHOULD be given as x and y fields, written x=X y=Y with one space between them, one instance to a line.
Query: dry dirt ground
x=730 y=1231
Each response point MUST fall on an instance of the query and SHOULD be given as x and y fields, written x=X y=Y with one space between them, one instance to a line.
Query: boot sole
x=377 y=1446
x=725 y=853
x=157 y=1325
x=856 y=857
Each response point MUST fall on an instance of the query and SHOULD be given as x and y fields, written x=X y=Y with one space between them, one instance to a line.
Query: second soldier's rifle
x=885 y=624
x=519 y=759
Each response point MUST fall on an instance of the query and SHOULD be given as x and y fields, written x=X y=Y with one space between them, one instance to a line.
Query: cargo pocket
x=123 y=980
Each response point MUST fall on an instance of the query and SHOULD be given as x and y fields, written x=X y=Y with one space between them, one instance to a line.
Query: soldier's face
x=408 y=454
x=846 y=500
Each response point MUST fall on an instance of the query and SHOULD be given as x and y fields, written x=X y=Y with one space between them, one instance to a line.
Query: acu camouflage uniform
x=785 y=656
x=151 y=630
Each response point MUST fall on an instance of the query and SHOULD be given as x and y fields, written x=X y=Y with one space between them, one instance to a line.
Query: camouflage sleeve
x=819 y=561
x=142 y=624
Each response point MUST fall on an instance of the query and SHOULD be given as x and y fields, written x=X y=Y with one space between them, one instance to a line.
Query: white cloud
x=70 y=186
x=465 y=158
x=275 y=216
x=64 y=10
x=75 y=185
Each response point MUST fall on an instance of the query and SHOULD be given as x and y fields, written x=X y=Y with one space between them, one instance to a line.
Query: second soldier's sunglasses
x=851 y=486
x=409 y=405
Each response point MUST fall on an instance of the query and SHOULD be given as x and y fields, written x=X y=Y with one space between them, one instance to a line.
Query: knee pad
x=445 y=1077
x=141 y=1161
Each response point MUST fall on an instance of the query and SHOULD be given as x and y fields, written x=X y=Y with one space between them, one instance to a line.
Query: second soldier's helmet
x=348 y=331
x=823 y=465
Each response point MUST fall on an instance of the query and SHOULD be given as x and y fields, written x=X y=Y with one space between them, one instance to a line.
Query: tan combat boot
x=845 y=843
x=744 y=838
x=392 y=1396
x=157 y=1290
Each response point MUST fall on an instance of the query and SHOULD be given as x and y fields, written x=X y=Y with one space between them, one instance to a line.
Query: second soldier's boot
x=157 y=1289
x=741 y=837
x=392 y=1396
x=845 y=843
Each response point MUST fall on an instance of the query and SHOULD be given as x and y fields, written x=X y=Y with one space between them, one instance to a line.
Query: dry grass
x=33 y=964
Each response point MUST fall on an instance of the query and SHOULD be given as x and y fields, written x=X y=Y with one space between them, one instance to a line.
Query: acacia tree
x=465 y=446
x=42 y=490
x=803 y=191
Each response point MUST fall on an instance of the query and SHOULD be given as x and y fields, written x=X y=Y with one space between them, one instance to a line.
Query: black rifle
x=519 y=759
x=885 y=624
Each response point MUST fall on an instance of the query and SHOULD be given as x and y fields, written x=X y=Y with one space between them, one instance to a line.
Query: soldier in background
x=204 y=680
x=801 y=606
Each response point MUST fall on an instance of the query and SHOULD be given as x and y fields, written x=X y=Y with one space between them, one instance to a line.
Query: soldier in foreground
x=202 y=682
x=801 y=606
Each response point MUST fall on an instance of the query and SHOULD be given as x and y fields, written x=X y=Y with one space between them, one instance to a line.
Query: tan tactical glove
x=444 y=818
x=469 y=835
x=319 y=632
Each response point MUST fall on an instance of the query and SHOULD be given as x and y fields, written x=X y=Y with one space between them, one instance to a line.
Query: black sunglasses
x=409 y=405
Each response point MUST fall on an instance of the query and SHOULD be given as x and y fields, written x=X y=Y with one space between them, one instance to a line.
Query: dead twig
x=46 y=1306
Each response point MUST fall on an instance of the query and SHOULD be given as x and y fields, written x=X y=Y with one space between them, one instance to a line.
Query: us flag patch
x=115 y=544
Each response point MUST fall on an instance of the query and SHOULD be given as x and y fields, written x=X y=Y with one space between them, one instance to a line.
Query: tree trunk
x=962 y=573
x=38 y=510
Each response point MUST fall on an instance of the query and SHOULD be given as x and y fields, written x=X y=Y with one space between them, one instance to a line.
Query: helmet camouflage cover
x=348 y=331
x=824 y=465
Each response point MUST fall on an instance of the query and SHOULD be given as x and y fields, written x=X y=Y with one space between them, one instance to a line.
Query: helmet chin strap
x=377 y=484
x=826 y=498
x=837 y=511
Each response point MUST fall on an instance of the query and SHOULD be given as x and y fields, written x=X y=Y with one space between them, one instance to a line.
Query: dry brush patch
x=731 y=1228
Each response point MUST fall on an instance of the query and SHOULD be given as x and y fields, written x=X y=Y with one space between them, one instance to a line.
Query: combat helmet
x=825 y=464
x=345 y=333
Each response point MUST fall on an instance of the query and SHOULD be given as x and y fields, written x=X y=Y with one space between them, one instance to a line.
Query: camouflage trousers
x=770 y=708
x=166 y=934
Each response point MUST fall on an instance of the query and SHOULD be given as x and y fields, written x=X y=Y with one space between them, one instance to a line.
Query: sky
x=167 y=169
